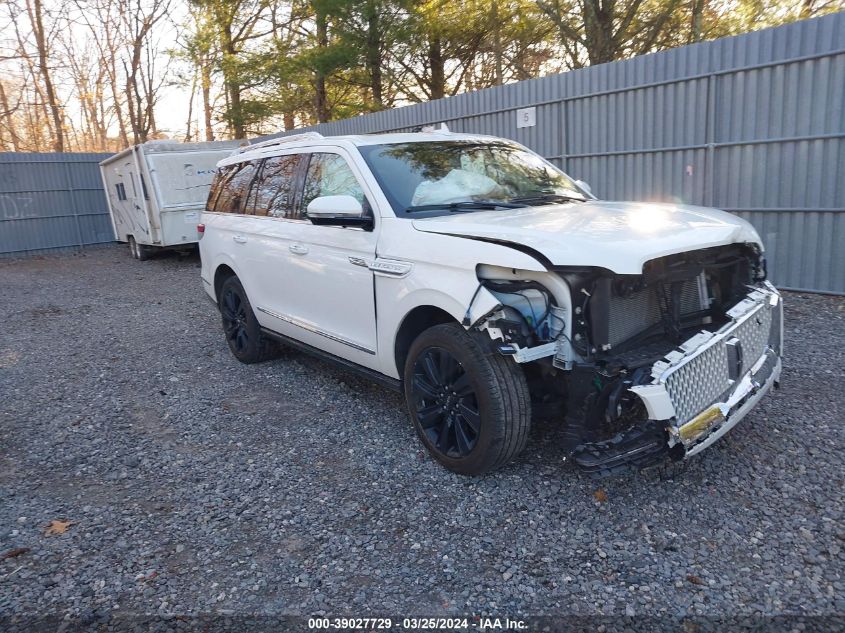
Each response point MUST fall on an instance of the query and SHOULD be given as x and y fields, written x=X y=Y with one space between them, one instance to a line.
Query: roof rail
x=281 y=141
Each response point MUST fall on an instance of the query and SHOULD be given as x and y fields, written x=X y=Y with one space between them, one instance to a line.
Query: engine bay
x=587 y=353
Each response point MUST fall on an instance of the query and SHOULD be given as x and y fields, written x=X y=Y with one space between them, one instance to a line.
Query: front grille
x=640 y=310
x=699 y=383
x=705 y=379
x=754 y=336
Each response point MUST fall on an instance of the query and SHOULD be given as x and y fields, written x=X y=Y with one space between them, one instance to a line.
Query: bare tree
x=35 y=12
x=139 y=18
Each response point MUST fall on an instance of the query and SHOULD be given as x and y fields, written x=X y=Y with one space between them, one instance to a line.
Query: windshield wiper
x=546 y=197
x=467 y=205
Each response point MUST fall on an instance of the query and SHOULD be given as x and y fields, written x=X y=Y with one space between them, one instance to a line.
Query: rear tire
x=470 y=405
x=144 y=251
x=133 y=247
x=241 y=328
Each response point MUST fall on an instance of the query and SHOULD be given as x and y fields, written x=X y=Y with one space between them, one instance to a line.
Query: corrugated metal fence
x=50 y=201
x=753 y=124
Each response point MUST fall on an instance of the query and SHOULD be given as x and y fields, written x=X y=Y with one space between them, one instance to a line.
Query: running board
x=365 y=372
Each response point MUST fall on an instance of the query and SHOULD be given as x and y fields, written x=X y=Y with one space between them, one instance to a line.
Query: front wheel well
x=415 y=323
x=222 y=273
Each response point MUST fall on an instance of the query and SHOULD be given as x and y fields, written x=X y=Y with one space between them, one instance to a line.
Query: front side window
x=433 y=174
x=232 y=188
x=272 y=192
x=329 y=175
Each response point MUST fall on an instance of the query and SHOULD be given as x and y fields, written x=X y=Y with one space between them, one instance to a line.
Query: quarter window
x=272 y=193
x=329 y=175
x=216 y=186
x=233 y=187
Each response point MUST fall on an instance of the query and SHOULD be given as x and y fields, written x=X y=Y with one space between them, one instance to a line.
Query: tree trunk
x=498 y=55
x=696 y=30
x=44 y=70
x=8 y=116
x=289 y=121
x=598 y=30
x=205 y=74
x=131 y=90
x=374 y=53
x=321 y=101
x=437 y=84
x=188 y=131
x=233 y=86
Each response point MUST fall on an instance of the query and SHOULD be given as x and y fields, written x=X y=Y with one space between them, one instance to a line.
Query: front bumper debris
x=701 y=390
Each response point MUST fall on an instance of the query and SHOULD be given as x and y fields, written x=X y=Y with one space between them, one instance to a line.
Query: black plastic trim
x=366 y=372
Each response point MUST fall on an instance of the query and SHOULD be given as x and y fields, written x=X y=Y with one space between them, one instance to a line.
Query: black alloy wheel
x=242 y=330
x=445 y=403
x=233 y=312
x=470 y=405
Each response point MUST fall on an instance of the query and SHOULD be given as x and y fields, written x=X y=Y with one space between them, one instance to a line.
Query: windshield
x=440 y=177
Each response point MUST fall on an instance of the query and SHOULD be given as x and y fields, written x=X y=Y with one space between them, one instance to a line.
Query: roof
x=271 y=146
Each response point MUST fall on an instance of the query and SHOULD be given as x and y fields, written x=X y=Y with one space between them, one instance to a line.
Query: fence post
x=564 y=126
x=73 y=204
x=710 y=130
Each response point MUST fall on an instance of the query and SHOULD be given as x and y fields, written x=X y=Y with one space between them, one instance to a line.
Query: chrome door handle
x=299 y=249
x=240 y=239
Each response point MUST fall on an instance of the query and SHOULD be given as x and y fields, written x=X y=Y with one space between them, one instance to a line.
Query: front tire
x=242 y=330
x=470 y=406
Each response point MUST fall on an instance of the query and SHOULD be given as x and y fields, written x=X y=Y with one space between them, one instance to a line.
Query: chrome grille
x=699 y=383
x=705 y=379
x=754 y=336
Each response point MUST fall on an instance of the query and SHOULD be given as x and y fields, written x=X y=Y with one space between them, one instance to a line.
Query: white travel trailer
x=157 y=191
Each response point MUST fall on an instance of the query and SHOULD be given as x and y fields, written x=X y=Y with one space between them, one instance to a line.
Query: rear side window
x=329 y=175
x=215 y=189
x=230 y=188
x=272 y=193
x=121 y=191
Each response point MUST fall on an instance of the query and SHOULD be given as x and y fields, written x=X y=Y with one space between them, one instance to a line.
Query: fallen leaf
x=57 y=527
x=14 y=552
x=695 y=580
x=600 y=495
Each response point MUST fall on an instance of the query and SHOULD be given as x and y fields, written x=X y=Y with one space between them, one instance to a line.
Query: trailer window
x=272 y=192
x=121 y=191
x=233 y=186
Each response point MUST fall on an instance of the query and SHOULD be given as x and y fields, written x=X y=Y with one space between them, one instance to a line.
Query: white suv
x=486 y=284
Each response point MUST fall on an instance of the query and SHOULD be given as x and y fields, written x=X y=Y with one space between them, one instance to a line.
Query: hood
x=619 y=236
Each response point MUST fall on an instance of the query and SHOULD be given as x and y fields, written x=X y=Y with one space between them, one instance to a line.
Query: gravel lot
x=198 y=485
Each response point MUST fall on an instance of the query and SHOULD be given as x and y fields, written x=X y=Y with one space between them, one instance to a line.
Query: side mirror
x=585 y=186
x=338 y=211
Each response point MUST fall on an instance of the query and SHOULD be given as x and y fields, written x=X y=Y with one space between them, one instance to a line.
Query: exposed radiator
x=632 y=314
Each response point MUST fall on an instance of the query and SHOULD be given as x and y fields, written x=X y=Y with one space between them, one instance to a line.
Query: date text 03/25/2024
x=417 y=624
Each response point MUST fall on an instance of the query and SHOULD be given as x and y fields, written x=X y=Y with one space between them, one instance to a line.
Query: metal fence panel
x=753 y=124
x=50 y=201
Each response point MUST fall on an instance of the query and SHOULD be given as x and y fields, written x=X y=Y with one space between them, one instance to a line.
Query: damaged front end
x=648 y=367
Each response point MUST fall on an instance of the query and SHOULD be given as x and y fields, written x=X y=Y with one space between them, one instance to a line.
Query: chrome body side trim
x=310 y=328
